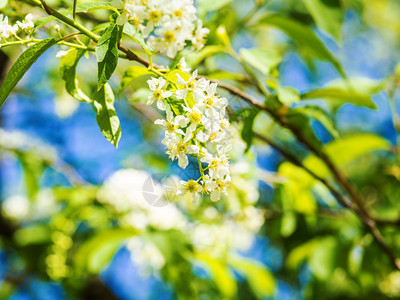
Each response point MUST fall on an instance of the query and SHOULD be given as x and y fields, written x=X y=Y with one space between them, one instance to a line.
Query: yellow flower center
x=178 y=13
x=213 y=136
x=192 y=186
x=220 y=185
x=155 y=15
x=170 y=127
x=135 y=21
x=209 y=102
x=191 y=85
x=224 y=124
x=214 y=164
x=157 y=95
x=169 y=36
x=195 y=117
x=181 y=147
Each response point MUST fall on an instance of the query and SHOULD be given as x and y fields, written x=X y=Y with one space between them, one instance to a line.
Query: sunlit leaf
x=35 y=234
x=340 y=95
x=304 y=36
x=346 y=150
x=206 y=6
x=261 y=59
x=96 y=253
x=130 y=75
x=106 y=116
x=327 y=15
x=68 y=72
x=288 y=95
x=259 y=277
x=22 y=65
x=220 y=273
x=107 y=54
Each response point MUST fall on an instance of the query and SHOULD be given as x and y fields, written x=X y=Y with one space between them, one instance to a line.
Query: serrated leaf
x=80 y=8
x=107 y=118
x=261 y=59
x=304 y=36
x=107 y=54
x=130 y=75
x=327 y=16
x=68 y=73
x=340 y=95
x=260 y=279
x=22 y=65
x=95 y=254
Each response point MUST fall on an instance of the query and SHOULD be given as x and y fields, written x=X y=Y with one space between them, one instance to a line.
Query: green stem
x=70 y=22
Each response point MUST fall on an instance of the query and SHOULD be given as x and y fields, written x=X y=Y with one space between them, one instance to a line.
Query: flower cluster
x=195 y=125
x=7 y=30
x=167 y=24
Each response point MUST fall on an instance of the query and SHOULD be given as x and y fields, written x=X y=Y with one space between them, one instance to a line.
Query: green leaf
x=288 y=95
x=107 y=54
x=80 y=8
x=320 y=115
x=195 y=58
x=130 y=30
x=96 y=253
x=346 y=150
x=296 y=119
x=328 y=16
x=304 y=36
x=261 y=59
x=323 y=259
x=260 y=279
x=220 y=273
x=106 y=116
x=68 y=73
x=33 y=168
x=130 y=75
x=288 y=224
x=340 y=95
x=35 y=234
x=22 y=65
x=206 y=6
x=247 y=129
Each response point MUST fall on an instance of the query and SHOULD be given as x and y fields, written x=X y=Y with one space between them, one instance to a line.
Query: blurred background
x=64 y=188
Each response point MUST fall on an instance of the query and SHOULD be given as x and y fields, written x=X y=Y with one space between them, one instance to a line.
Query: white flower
x=178 y=147
x=166 y=24
x=171 y=125
x=216 y=187
x=191 y=187
x=189 y=85
x=17 y=207
x=61 y=54
x=27 y=24
x=156 y=86
x=7 y=30
x=183 y=66
x=199 y=36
